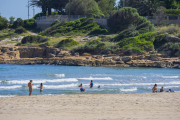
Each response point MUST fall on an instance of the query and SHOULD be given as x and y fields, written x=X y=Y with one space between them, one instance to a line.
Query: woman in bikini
x=154 y=89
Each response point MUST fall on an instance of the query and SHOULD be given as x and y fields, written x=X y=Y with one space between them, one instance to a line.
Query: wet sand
x=136 y=106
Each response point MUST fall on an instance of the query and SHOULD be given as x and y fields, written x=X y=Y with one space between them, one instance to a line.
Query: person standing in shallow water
x=41 y=88
x=30 y=87
x=91 y=84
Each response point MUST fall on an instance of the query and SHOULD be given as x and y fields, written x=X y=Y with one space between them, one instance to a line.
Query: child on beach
x=30 y=87
x=80 y=85
x=82 y=89
x=91 y=84
x=162 y=89
x=41 y=87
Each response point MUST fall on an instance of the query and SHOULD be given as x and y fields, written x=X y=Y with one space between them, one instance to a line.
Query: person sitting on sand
x=91 y=84
x=154 y=89
x=41 y=87
x=99 y=86
x=82 y=89
x=171 y=90
x=80 y=85
x=30 y=87
x=162 y=89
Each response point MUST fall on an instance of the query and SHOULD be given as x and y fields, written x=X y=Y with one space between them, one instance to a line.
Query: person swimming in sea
x=154 y=89
x=82 y=89
x=41 y=87
x=91 y=84
x=99 y=86
x=80 y=85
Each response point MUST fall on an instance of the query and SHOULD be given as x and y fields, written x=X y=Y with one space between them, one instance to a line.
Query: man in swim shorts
x=30 y=87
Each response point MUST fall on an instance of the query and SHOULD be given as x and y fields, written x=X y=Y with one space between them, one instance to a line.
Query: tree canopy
x=84 y=7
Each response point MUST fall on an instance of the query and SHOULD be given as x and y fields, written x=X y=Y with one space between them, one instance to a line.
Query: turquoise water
x=65 y=79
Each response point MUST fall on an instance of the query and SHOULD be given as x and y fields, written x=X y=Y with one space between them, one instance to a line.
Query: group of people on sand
x=30 y=85
x=155 y=90
x=82 y=89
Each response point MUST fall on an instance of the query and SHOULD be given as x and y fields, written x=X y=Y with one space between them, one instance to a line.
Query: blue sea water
x=59 y=79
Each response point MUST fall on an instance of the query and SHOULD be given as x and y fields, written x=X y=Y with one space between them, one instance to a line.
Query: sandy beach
x=135 y=106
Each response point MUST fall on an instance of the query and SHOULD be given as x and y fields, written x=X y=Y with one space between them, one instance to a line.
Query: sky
x=17 y=9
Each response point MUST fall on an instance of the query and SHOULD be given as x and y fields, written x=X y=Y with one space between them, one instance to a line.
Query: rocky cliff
x=37 y=55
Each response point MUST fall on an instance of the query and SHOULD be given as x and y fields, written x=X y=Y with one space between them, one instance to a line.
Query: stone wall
x=45 y=21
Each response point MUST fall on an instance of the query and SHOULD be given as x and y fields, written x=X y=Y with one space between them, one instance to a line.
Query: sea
x=61 y=80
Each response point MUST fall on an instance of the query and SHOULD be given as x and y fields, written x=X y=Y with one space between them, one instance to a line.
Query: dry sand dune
x=138 y=106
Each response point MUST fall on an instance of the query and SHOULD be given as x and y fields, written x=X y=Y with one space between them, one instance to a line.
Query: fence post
x=147 y=17
x=178 y=20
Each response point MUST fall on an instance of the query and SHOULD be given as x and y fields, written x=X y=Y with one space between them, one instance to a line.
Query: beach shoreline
x=133 y=106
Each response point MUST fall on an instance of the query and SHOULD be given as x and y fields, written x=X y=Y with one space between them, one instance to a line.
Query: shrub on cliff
x=67 y=43
x=127 y=18
x=3 y=23
x=83 y=25
x=55 y=22
x=20 y=30
x=138 y=44
x=33 y=39
x=19 y=22
x=93 y=47
x=30 y=23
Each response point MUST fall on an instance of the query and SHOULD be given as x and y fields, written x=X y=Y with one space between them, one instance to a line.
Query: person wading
x=30 y=87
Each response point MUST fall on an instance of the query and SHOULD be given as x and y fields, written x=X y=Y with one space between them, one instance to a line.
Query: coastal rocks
x=86 y=54
x=171 y=39
x=126 y=58
x=117 y=58
x=51 y=55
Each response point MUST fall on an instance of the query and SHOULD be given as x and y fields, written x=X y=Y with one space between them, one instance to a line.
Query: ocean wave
x=59 y=86
x=7 y=95
x=91 y=78
x=10 y=87
x=38 y=81
x=170 y=76
x=128 y=90
x=56 y=75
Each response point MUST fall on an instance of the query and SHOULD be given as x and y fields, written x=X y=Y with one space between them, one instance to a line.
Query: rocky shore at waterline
x=37 y=55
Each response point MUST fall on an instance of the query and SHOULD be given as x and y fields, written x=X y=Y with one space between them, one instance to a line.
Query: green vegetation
x=55 y=22
x=67 y=43
x=3 y=23
x=93 y=47
x=30 y=23
x=10 y=35
x=83 y=26
x=138 y=44
x=20 y=30
x=34 y=39
x=84 y=7
x=174 y=12
x=128 y=18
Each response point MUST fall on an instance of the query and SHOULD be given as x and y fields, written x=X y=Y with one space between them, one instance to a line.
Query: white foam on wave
x=91 y=78
x=59 y=86
x=59 y=75
x=7 y=95
x=39 y=81
x=129 y=90
x=10 y=87
x=170 y=76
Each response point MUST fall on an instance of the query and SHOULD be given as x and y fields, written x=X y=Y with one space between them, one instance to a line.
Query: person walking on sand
x=91 y=84
x=30 y=87
x=41 y=88
x=154 y=89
